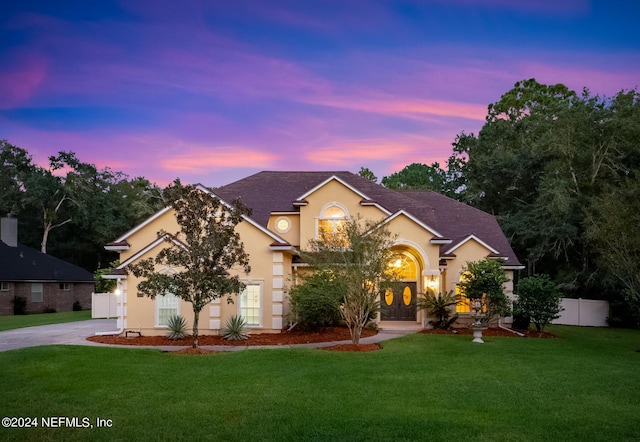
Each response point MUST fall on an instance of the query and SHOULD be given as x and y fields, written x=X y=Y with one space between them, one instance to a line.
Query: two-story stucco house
x=436 y=237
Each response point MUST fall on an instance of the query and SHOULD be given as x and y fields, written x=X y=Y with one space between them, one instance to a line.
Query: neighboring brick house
x=45 y=282
x=436 y=237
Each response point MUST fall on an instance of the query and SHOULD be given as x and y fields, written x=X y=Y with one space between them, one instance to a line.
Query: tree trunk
x=356 y=331
x=196 y=316
x=45 y=236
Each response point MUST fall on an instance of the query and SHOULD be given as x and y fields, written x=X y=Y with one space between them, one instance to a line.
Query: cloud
x=397 y=148
x=20 y=80
x=197 y=160
x=408 y=108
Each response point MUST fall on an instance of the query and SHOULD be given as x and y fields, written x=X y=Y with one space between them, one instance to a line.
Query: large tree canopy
x=417 y=176
x=543 y=161
x=71 y=209
x=201 y=255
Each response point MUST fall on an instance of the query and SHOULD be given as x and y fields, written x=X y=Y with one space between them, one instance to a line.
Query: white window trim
x=65 y=286
x=261 y=312
x=283 y=218
x=326 y=207
x=157 y=305
x=4 y=286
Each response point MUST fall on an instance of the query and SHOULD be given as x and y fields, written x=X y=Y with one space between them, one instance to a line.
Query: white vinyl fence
x=587 y=312
x=104 y=305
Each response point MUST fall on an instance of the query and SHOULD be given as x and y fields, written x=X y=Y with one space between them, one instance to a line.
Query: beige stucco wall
x=269 y=268
x=149 y=233
x=471 y=251
x=292 y=236
x=332 y=192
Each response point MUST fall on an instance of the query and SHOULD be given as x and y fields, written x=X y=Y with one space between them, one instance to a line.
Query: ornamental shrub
x=316 y=301
x=235 y=329
x=177 y=327
x=539 y=299
x=484 y=282
x=19 y=305
x=439 y=306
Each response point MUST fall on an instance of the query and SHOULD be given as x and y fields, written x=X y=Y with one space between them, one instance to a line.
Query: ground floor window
x=463 y=305
x=65 y=286
x=251 y=304
x=166 y=307
x=36 y=292
x=4 y=286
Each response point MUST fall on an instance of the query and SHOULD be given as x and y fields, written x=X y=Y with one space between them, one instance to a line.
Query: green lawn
x=19 y=321
x=583 y=386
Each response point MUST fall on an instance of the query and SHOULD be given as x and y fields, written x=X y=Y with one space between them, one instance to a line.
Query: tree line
x=71 y=209
x=561 y=172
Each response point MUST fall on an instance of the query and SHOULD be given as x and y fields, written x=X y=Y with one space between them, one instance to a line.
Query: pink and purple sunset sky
x=212 y=91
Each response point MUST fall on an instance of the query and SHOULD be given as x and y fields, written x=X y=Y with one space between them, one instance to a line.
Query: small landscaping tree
x=316 y=301
x=539 y=300
x=358 y=254
x=483 y=283
x=201 y=254
x=439 y=306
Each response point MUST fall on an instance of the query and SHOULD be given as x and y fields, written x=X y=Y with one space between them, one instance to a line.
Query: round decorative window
x=283 y=224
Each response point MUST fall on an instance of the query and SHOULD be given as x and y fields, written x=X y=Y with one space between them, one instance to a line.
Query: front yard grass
x=582 y=386
x=20 y=321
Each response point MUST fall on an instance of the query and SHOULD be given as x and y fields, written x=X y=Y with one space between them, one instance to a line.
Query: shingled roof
x=267 y=192
x=458 y=221
x=23 y=263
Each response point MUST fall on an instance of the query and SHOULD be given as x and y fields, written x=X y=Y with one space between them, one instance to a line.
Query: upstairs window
x=4 y=286
x=331 y=224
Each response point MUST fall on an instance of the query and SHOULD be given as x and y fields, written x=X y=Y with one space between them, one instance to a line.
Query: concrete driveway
x=74 y=333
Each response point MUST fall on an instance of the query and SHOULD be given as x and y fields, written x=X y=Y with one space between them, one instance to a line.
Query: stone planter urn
x=477 y=326
x=477 y=332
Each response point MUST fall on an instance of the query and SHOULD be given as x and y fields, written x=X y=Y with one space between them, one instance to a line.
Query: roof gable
x=328 y=180
x=472 y=238
x=460 y=221
x=160 y=240
x=23 y=263
x=121 y=242
x=414 y=219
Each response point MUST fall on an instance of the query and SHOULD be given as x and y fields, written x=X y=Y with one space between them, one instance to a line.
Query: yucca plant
x=177 y=327
x=235 y=329
x=439 y=306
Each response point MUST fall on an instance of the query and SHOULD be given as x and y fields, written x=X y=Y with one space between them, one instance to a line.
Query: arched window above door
x=404 y=267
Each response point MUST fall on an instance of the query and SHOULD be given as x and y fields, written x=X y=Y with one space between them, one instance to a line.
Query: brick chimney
x=9 y=231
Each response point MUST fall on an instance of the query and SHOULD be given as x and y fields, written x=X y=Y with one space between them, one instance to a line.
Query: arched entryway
x=398 y=302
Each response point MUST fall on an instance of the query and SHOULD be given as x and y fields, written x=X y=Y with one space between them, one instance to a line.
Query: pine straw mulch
x=493 y=331
x=328 y=334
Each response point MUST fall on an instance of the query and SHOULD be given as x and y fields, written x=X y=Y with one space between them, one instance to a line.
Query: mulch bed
x=327 y=334
x=491 y=332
